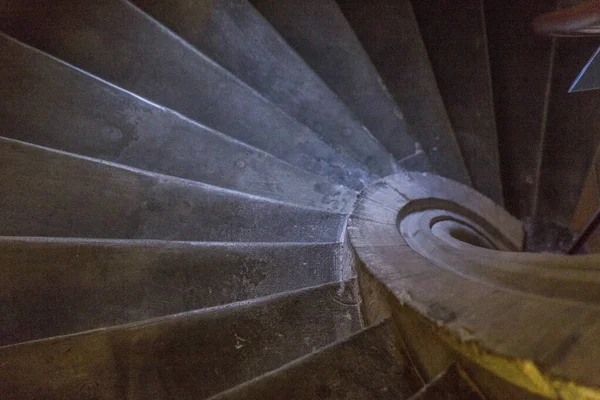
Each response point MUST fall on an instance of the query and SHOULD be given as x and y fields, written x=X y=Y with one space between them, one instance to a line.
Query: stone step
x=50 y=103
x=456 y=41
x=52 y=193
x=452 y=384
x=117 y=42
x=395 y=46
x=53 y=286
x=191 y=355
x=321 y=35
x=235 y=35
x=368 y=365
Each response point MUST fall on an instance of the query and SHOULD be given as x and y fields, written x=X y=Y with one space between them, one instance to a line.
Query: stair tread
x=320 y=34
x=456 y=42
x=189 y=355
x=98 y=283
x=54 y=193
x=145 y=58
x=368 y=365
x=395 y=47
x=235 y=35
x=50 y=103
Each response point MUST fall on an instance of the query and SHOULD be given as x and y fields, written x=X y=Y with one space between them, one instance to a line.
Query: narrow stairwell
x=233 y=199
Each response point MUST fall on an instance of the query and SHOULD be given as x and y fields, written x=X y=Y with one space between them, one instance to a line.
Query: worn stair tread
x=368 y=365
x=235 y=35
x=184 y=356
x=53 y=104
x=452 y=384
x=52 y=193
x=82 y=284
x=395 y=47
x=117 y=42
x=455 y=38
x=320 y=34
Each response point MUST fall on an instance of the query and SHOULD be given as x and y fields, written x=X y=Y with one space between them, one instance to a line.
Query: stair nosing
x=168 y=178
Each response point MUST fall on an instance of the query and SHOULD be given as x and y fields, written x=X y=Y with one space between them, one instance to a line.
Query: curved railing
x=446 y=263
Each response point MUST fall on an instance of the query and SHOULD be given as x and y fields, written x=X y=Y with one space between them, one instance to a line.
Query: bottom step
x=367 y=365
x=53 y=287
x=191 y=355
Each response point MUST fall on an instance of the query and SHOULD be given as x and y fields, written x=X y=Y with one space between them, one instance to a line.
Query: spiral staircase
x=263 y=199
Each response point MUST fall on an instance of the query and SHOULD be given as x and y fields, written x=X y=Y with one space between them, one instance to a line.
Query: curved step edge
x=53 y=193
x=467 y=311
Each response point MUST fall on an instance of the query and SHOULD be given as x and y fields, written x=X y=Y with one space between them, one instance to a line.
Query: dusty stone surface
x=368 y=365
x=185 y=356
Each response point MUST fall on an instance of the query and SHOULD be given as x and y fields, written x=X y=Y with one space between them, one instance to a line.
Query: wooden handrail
x=580 y=20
